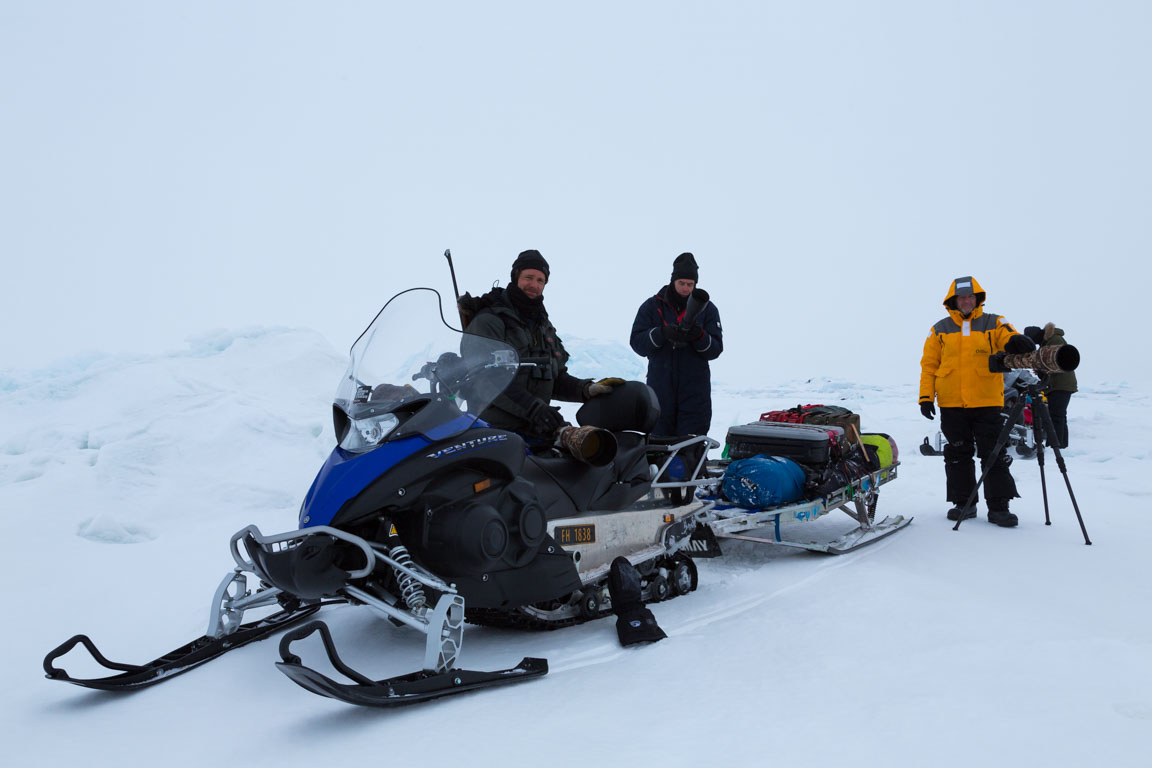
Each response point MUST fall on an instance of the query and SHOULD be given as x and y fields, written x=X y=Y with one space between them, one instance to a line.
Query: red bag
x=790 y=416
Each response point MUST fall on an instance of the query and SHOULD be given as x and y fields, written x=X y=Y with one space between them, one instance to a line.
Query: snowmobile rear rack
x=394 y=691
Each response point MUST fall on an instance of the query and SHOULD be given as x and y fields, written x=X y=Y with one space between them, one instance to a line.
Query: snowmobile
x=430 y=517
x=1022 y=436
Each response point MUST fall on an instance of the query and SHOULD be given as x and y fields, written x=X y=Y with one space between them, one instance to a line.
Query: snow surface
x=122 y=478
x=202 y=204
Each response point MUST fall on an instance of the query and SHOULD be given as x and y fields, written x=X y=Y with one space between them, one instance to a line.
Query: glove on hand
x=1019 y=344
x=602 y=387
x=545 y=419
x=928 y=409
x=679 y=335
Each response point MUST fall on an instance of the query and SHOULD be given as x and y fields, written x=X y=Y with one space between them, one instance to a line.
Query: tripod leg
x=1001 y=442
x=1038 y=433
x=1049 y=428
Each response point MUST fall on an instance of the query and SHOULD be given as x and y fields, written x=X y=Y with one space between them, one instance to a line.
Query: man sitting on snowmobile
x=954 y=371
x=516 y=316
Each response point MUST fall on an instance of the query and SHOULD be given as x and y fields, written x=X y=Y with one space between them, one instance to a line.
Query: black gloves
x=679 y=335
x=928 y=409
x=544 y=419
x=672 y=333
x=1019 y=344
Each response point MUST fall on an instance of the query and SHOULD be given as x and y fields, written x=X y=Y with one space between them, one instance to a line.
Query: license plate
x=569 y=535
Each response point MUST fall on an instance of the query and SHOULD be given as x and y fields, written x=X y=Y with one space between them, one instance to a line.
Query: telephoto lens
x=590 y=445
x=1059 y=359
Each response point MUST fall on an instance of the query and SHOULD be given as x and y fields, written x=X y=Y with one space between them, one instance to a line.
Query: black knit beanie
x=529 y=260
x=684 y=268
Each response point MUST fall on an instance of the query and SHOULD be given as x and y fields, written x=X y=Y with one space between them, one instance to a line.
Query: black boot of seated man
x=634 y=623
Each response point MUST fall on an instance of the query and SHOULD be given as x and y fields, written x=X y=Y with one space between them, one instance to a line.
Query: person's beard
x=530 y=307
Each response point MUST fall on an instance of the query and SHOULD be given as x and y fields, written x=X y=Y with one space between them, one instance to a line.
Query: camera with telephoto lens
x=1060 y=359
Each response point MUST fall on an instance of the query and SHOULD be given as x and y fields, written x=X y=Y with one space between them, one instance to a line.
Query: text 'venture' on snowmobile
x=429 y=516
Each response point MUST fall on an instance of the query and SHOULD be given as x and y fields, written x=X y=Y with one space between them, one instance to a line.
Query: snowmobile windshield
x=410 y=373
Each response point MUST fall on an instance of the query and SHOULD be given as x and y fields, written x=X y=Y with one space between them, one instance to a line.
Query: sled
x=766 y=525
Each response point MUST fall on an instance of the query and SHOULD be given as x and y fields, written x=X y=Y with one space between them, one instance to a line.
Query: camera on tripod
x=1042 y=361
x=1060 y=359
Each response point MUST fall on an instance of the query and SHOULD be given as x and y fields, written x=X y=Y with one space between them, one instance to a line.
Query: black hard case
x=804 y=443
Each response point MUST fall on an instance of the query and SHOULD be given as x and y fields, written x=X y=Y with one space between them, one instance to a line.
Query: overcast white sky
x=167 y=169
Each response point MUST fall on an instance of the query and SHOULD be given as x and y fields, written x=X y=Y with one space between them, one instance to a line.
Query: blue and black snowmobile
x=430 y=517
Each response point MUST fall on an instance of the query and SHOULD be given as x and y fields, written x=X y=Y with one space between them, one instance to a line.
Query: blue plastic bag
x=763 y=481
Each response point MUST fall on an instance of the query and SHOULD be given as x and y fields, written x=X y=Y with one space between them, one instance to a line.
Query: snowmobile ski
x=394 y=691
x=189 y=656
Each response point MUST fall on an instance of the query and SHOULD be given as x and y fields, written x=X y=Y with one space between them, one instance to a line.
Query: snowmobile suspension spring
x=410 y=589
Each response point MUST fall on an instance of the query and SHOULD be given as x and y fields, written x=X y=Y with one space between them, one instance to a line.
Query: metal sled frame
x=857 y=500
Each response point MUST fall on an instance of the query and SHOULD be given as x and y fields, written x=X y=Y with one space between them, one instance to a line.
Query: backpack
x=833 y=415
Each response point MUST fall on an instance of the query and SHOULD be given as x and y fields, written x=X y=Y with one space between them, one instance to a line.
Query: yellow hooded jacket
x=954 y=366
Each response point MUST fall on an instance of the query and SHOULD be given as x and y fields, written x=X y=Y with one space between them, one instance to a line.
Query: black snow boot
x=634 y=623
x=998 y=514
x=961 y=513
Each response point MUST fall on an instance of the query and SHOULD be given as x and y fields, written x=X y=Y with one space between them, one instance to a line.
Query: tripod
x=1042 y=425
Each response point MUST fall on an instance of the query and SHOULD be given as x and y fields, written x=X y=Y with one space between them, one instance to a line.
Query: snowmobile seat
x=631 y=462
x=564 y=486
x=631 y=406
x=567 y=487
x=633 y=474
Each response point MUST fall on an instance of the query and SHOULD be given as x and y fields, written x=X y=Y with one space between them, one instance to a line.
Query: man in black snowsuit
x=678 y=351
x=516 y=316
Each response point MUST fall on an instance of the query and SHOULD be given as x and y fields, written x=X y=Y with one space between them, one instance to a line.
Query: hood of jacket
x=963 y=286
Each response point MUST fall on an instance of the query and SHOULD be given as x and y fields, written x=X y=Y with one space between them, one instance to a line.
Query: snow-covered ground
x=171 y=168
x=122 y=477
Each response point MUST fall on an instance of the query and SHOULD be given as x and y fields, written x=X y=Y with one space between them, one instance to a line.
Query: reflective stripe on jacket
x=954 y=366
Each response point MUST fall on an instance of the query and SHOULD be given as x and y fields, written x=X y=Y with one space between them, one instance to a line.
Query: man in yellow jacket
x=954 y=372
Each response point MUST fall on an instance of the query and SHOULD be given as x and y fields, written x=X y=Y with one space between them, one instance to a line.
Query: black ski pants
x=1058 y=410
x=973 y=432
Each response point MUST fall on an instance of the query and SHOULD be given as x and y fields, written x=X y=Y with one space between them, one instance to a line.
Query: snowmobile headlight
x=367 y=433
